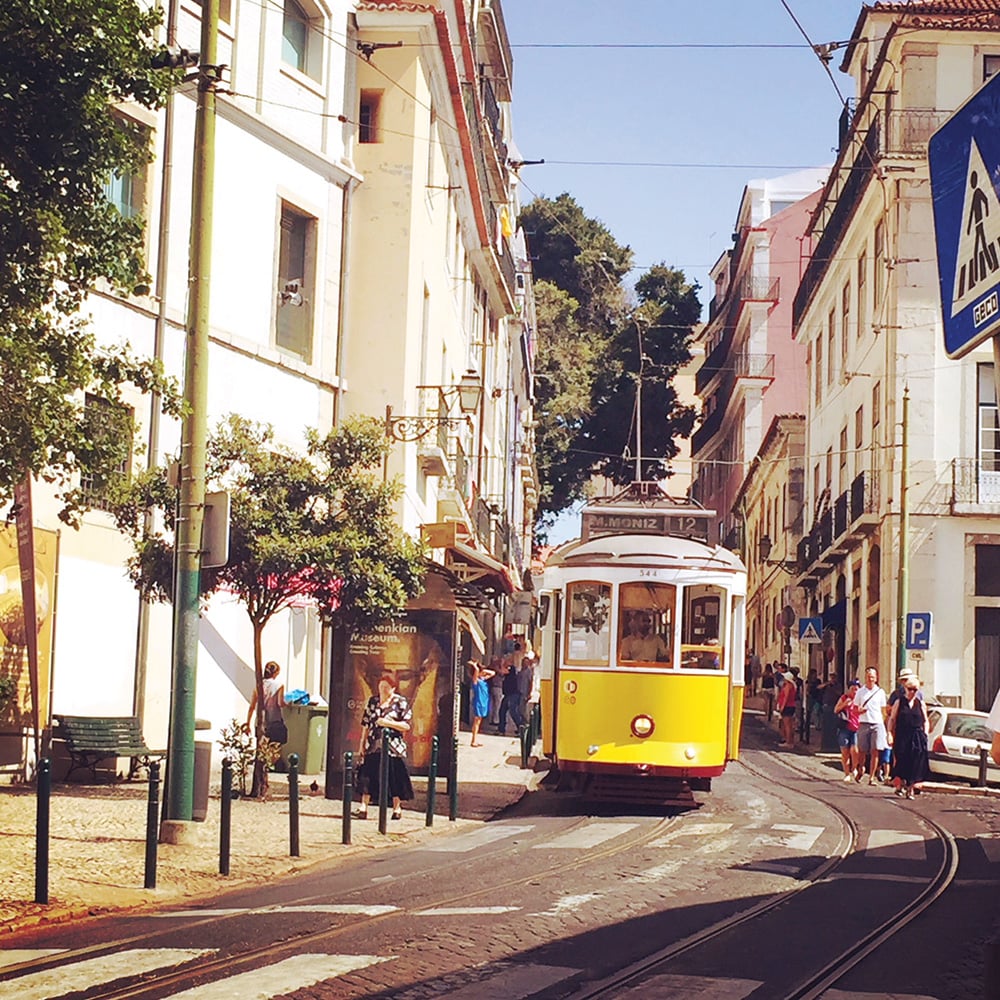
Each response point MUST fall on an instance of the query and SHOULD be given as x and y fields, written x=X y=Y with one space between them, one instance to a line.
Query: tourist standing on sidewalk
x=479 y=697
x=525 y=681
x=788 y=695
x=872 y=738
x=386 y=711
x=908 y=727
x=847 y=731
x=496 y=690
x=507 y=703
x=767 y=688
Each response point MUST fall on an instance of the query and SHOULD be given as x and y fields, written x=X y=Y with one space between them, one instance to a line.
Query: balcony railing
x=759 y=288
x=714 y=362
x=754 y=366
x=707 y=430
x=864 y=496
x=974 y=482
x=908 y=130
x=840 y=508
x=491 y=109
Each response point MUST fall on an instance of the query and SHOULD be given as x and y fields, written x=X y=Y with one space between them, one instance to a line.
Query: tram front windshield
x=646 y=623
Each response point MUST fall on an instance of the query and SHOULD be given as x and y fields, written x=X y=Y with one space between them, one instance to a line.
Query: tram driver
x=643 y=643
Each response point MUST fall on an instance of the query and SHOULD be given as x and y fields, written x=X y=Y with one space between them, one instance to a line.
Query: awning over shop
x=475 y=567
x=835 y=616
x=468 y=621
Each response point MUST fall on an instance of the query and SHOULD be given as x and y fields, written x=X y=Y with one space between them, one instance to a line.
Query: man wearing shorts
x=872 y=739
x=787 y=700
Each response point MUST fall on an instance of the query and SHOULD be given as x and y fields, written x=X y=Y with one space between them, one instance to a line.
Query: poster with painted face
x=417 y=651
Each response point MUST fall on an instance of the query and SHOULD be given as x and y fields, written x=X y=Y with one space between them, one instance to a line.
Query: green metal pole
x=180 y=758
x=903 y=579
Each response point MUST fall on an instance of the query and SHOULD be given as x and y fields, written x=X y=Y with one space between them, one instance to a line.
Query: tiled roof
x=939 y=6
x=410 y=8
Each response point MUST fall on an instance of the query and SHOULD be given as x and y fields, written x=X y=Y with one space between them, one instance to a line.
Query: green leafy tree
x=588 y=357
x=65 y=65
x=318 y=525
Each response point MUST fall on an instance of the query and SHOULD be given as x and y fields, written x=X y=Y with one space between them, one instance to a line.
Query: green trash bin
x=306 y=736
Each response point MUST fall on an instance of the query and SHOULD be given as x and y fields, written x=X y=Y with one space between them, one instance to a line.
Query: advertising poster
x=16 y=709
x=419 y=651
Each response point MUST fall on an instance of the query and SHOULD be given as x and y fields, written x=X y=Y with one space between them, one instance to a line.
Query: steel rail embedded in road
x=252 y=957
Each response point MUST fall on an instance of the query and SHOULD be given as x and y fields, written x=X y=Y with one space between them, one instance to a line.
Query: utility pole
x=903 y=578
x=191 y=506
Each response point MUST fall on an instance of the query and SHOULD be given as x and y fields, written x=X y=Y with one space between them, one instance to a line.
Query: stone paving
x=97 y=837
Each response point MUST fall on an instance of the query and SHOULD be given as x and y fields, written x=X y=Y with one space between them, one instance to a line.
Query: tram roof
x=672 y=550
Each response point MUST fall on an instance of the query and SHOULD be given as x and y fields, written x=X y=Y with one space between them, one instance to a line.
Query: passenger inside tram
x=700 y=628
x=641 y=642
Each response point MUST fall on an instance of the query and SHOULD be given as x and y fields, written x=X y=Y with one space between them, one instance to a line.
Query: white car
x=955 y=739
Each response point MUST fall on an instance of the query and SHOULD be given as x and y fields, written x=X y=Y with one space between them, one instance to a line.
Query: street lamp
x=764 y=547
x=469 y=392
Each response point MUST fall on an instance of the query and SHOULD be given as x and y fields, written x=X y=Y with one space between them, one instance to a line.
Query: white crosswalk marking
x=345 y=909
x=566 y=904
x=465 y=911
x=587 y=836
x=990 y=843
x=854 y=995
x=512 y=982
x=14 y=956
x=482 y=837
x=658 y=872
x=801 y=838
x=92 y=972
x=671 y=987
x=283 y=977
x=895 y=845
x=692 y=830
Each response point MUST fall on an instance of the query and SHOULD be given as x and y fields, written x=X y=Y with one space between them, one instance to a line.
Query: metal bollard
x=523 y=734
x=225 y=815
x=432 y=776
x=453 y=783
x=293 y=805
x=983 y=767
x=43 y=793
x=383 y=783
x=152 y=817
x=348 y=798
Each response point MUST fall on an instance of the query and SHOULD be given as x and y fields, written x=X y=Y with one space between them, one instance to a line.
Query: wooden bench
x=91 y=739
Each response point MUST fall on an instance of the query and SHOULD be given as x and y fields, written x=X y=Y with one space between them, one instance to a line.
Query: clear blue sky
x=743 y=112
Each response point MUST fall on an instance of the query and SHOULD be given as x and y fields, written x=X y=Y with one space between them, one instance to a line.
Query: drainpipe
x=343 y=296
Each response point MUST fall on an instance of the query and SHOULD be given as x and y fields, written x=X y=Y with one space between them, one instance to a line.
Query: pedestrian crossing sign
x=810 y=630
x=964 y=156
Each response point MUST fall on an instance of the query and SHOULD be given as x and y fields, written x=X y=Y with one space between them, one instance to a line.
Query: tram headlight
x=690 y=753
x=642 y=726
x=592 y=749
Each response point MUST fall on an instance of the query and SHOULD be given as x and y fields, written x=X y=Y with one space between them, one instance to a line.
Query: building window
x=843 y=461
x=819 y=366
x=127 y=192
x=879 y=263
x=991 y=65
x=831 y=344
x=845 y=325
x=987 y=435
x=368 y=116
x=299 y=40
x=296 y=270
x=876 y=407
x=862 y=290
x=988 y=571
x=110 y=427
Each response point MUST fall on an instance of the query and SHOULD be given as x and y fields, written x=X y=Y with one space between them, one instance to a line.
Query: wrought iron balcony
x=754 y=366
x=907 y=130
x=974 y=481
x=759 y=288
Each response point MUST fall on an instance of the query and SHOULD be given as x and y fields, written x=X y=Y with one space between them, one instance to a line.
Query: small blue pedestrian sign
x=918 y=630
x=964 y=157
x=810 y=630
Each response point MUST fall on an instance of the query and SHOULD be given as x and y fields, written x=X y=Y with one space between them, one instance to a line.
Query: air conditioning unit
x=950 y=700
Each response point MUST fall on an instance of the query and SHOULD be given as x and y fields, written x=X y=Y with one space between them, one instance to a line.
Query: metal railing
x=753 y=365
x=908 y=130
x=759 y=288
x=973 y=481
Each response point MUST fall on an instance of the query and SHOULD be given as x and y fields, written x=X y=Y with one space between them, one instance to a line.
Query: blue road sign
x=964 y=156
x=810 y=630
x=918 y=630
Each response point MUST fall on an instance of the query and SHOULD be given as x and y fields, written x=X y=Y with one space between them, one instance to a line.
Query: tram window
x=588 y=629
x=702 y=628
x=646 y=623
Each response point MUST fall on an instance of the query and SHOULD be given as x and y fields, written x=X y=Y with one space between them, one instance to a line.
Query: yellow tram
x=642 y=651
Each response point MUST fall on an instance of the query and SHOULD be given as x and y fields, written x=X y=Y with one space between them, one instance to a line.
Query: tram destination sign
x=690 y=524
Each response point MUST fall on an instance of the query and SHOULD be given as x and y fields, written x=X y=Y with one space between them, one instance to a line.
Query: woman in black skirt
x=385 y=712
x=908 y=726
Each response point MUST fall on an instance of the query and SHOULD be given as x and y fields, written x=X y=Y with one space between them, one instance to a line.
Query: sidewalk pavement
x=824 y=764
x=97 y=836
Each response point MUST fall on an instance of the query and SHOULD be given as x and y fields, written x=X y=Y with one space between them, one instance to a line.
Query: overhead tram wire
x=819 y=50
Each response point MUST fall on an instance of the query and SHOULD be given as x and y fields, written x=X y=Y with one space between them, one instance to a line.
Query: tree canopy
x=598 y=342
x=66 y=65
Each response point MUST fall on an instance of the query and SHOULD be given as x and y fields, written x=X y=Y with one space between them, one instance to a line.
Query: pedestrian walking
x=847 y=730
x=479 y=691
x=508 y=702
x=496 y=690
x=872 y=739
x=390 y=711
x=908 y=727
x=273 y=702
x=767 y=688
x=788 y=695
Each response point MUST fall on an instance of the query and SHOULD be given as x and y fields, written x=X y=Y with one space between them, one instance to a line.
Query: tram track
x=834 y=969
x=295 y=943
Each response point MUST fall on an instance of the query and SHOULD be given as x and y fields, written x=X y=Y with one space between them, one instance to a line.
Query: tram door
x=550 y=673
